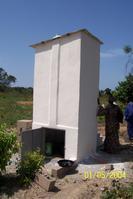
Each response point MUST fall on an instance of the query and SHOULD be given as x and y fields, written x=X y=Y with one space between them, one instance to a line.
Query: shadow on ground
x=9 y=184
x=125 y=154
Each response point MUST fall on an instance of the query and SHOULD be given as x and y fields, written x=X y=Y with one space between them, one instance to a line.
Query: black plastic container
x=65 y=163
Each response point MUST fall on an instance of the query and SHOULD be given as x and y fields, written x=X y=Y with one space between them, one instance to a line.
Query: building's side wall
x=89 y=86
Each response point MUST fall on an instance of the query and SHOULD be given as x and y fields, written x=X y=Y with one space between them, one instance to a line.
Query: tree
x=124 y=89
x=129 y=51
x=5 y=79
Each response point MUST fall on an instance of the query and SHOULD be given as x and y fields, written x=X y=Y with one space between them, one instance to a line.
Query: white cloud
x=112 y=53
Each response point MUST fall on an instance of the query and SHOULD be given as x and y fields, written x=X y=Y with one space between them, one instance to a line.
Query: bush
x=118 y=191
x=29 y=166
x=8 y=146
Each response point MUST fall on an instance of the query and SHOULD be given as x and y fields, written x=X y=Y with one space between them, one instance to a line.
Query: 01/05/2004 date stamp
x=105 y=175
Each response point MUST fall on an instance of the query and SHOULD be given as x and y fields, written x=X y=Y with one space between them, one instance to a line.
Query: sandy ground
x=76 y=186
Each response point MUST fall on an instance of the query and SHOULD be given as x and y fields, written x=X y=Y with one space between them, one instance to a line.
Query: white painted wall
x=68 y=81
x=65 y=90
x=89 y=87
x=41 y=96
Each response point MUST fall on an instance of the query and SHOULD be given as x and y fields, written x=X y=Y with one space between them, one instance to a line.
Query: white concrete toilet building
x=66 y=85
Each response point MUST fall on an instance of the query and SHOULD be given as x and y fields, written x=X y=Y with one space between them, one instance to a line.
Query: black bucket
x=66 y=163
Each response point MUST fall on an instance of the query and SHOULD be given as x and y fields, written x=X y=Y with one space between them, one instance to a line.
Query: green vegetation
x=6 y=80
x=8 y=146
x=11 y=109
x=11 y=106
x=29 y=166
x=118 y=191
x=124 y=89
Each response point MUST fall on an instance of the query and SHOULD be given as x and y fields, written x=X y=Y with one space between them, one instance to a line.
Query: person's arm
x=100 y=111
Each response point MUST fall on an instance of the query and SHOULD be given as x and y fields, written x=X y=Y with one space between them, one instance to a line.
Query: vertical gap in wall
x=50 y=77
x=57 y=91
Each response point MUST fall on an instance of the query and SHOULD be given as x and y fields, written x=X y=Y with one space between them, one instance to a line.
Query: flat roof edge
x=66 y=35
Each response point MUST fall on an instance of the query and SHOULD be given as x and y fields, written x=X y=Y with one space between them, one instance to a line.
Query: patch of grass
x=10 y=110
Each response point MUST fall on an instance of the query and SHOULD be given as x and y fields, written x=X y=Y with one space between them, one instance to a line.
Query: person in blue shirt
x=129 y=118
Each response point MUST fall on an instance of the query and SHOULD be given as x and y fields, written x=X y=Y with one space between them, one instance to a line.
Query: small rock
x=109 y=167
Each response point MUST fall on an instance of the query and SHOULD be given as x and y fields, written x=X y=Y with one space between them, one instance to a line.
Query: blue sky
x=25 y=22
